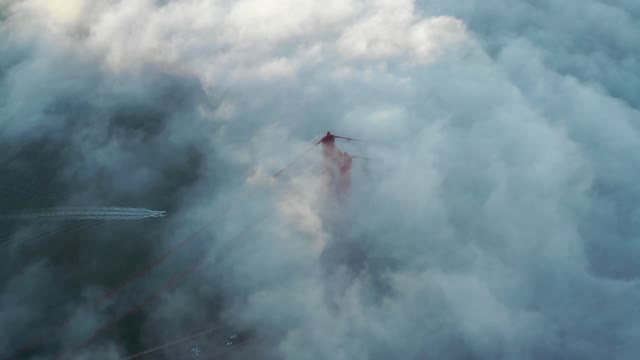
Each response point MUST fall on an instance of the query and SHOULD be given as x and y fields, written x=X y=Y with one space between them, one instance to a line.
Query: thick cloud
x=497 y=220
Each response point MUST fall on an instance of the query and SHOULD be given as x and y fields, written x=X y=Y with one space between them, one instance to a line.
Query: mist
x=496 y=216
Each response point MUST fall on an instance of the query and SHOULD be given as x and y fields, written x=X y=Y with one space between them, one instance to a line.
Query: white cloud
x=470 y=234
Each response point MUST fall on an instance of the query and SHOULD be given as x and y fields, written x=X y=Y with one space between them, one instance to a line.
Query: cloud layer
x=497 y=220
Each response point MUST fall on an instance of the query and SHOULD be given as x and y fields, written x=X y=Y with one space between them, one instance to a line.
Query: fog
x=496 y=217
